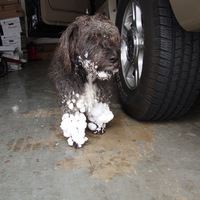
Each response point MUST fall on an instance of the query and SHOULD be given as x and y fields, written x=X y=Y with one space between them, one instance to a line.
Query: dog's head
x=91 y=42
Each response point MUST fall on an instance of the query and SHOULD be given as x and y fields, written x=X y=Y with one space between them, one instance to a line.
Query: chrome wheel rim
x=132 y=45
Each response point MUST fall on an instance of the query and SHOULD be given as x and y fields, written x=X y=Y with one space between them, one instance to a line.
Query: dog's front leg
x=99 y=116
x=73 y=126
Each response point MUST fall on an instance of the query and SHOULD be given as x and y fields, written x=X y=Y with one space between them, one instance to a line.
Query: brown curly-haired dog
x=85 y=60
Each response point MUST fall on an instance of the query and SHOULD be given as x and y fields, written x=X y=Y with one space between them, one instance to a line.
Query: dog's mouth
x=109 y=68
x=107 y=73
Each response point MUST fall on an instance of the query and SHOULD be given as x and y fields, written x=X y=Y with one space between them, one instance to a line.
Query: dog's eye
x=94 y=38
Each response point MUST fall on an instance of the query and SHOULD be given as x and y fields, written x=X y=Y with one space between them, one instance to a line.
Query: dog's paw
x=75 y=144
x=97 y=129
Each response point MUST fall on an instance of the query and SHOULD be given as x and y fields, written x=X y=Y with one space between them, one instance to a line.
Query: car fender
x=187 y=13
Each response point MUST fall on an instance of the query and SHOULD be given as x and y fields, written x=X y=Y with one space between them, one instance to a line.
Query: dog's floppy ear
x=67 y=45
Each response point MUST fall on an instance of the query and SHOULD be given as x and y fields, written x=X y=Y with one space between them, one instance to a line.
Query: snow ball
x=97 y=110
x=15 y=108
x=82 y=117
x=77 y=95
x=66 y=115
x=70 y=141
x=82 y=109
x=102 y=74
x=105 y=117
x=100 y=114
x=71 y=106
x=81 y=106
x=92 y=126
x=86 y=54
x=73 y=127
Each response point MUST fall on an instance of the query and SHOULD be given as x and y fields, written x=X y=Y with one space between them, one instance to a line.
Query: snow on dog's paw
x=99 y=115
x=92 y=126
x=97 y=129
x=75 y=144
x=73 y=126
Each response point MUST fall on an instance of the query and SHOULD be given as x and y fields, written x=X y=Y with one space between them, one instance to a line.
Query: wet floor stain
x=30 y=144
x=114 y=153
x=107 y=156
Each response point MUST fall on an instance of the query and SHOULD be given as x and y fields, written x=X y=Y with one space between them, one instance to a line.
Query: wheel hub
x=131 y=38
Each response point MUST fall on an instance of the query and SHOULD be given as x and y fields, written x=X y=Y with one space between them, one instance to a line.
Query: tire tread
x=179 y=53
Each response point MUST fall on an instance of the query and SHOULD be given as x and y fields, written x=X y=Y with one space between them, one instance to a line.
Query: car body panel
x=59 y=12
x=187 y=13
x=47 y=18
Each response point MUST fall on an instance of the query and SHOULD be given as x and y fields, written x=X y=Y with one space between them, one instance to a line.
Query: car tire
x=3 y=67
x=159 y=77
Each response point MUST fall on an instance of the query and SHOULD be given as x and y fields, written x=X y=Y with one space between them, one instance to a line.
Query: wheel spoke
x=123 y=52
x=127 y=69
x=133 y=14
x=124 y=32
x=140 y=61
x=136 y=17
x=130 y=73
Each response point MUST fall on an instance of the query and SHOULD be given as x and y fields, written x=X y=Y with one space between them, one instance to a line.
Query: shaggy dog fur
x=83 y=64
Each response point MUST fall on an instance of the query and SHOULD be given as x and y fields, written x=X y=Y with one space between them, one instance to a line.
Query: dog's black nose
x=113 y=58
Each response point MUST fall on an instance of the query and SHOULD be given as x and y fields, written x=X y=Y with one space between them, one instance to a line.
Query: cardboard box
x=11 y=13
x=11 y=26
x=45 y=55
x=15 y=6
x=12 y=40
x=5 y=2
x=7 y=48
x=15 y=42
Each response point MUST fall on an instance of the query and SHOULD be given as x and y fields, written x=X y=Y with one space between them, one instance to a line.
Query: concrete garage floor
x=131 y=161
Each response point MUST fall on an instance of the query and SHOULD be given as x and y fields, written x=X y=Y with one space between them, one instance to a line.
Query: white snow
x=92 y=126
x=89 y=96
x=80 y=104
x=86 y=54
x=15 y=108
x=100 y=114
x=73 y=127
x=71 y=106
x=102 y=74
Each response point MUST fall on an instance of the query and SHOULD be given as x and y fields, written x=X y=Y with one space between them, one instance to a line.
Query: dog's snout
x=113 y=57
